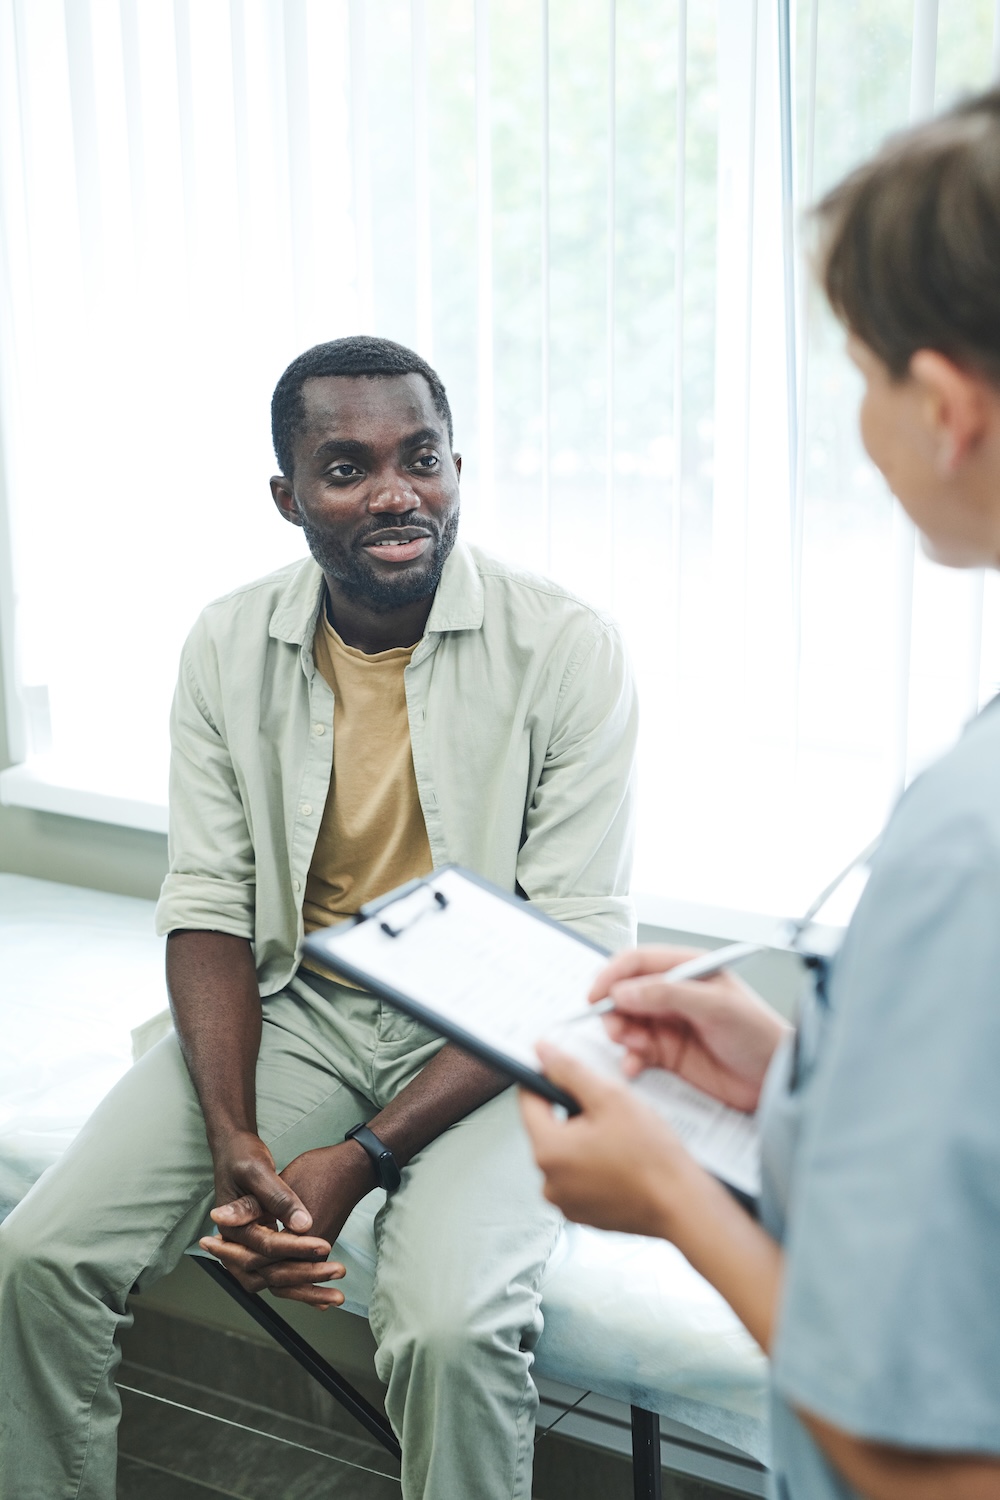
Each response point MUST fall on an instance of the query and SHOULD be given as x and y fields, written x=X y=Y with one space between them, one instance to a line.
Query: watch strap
x=385 y=1163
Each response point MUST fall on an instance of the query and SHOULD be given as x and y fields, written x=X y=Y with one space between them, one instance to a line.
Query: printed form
x=491 y=967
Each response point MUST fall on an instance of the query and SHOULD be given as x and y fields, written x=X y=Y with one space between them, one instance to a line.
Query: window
x=586 y=214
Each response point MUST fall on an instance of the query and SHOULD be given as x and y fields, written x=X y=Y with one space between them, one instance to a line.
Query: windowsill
x=727 y=923
x=31 y=785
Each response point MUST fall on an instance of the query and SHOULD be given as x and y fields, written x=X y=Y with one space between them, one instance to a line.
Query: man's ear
x=957 y=406
x=457 y=461
x=283 y=495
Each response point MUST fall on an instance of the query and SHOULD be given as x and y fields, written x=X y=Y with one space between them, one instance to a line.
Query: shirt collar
x=458 y=603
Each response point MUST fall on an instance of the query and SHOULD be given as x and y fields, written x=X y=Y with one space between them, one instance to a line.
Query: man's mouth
x=397 y=544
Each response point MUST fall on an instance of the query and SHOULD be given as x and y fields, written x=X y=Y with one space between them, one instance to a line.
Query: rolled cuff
x=204 y=904
x=608 y=920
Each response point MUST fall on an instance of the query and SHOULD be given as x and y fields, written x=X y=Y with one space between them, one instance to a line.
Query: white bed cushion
x=628 y=1318
x=625 y=1317
x=79 y=969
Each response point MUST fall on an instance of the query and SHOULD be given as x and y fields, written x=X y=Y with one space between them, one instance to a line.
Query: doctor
x=873 y=1276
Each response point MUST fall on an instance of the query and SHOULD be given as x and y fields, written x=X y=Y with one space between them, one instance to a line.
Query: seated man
x=395 y=702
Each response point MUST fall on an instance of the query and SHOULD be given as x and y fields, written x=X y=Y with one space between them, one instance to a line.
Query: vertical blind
x=588 y=215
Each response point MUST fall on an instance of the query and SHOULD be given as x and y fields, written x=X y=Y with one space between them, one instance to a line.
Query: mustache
x=409 y=519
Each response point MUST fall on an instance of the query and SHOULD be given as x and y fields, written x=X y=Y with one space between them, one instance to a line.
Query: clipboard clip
x=439 y=903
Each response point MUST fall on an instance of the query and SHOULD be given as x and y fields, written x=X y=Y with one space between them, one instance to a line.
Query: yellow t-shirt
x=372 y=837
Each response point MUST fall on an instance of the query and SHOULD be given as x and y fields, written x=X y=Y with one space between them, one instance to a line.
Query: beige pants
x=461 y=1249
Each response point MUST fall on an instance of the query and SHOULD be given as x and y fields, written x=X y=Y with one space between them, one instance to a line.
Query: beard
x=377 y=591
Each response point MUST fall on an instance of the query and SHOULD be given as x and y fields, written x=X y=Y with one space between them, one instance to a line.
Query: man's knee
x=37 y=1266
x=13 y=1249
x=433 y=1350
x=449 y=1321
x=26 y=1260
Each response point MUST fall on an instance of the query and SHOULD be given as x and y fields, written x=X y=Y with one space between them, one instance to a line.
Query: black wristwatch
x=385 y=1162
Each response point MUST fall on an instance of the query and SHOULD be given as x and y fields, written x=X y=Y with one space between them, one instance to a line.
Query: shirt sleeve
x=210 y=884
x=890 y=1317
x=575 y=862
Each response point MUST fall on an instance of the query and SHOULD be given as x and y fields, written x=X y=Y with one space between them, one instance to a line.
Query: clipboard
x=489 y=972
x=434 y=904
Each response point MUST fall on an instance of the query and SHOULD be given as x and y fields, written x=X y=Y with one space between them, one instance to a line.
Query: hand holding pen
x=713 y=1031
x=682 y=1010
x=698 y=966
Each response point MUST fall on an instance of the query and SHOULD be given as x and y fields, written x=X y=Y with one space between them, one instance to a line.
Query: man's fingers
x=248 y=1266
x=245 y=1210
x=269 y=1197
x=278 y=1199
x=293 y=1273
x=274 y=1244
x=241 y=1265
x=233 y=1256
x=320 y=1297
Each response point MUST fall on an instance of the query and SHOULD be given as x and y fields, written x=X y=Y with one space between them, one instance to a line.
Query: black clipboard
x=330 y=948
x=323 y=945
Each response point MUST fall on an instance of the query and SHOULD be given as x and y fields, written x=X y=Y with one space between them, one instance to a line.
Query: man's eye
x=342 y=471
x=427 y=461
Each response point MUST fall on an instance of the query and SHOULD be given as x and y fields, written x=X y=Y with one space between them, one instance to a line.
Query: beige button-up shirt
x=522 y=715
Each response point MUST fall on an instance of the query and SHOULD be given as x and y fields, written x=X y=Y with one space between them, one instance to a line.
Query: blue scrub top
x=882 y=1162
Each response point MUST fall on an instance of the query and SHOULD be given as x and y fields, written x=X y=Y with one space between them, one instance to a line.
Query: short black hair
x=360 y=354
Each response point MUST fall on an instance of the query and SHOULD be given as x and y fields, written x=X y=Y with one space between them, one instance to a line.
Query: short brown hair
x=909 y=252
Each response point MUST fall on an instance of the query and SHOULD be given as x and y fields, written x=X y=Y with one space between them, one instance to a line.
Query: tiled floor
x=233 y=1447
x=208 y=1413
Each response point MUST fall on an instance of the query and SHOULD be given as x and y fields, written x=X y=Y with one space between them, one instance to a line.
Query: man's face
x=375 y=487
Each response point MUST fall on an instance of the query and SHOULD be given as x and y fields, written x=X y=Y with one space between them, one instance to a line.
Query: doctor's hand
x=327 y=1184
x=716 y=1033
x=617 y=1164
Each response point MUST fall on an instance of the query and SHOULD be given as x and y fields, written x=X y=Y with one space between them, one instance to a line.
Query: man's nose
x=393 y=495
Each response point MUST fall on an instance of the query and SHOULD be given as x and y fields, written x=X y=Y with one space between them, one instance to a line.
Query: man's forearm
x=450 y=1087
x=215 y=1002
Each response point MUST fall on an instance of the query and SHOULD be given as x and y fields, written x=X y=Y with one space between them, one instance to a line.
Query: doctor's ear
x=959 y=405
x=283 y=496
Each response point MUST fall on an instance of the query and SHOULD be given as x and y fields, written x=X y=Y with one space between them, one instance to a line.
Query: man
x=393 y=703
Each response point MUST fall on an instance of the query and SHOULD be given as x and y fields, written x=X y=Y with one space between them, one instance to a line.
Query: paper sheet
x=490 y=966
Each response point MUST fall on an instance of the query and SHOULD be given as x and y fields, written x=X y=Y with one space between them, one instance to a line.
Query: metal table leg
x=647 y=1479
x=646 y=1473
x=305 y=1355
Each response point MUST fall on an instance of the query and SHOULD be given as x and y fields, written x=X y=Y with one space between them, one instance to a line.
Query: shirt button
x=296 y=886
x=319 y=729
x=306 y=809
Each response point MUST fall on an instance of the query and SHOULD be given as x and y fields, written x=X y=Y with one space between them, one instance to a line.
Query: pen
x=702 y=967
x=707 y=964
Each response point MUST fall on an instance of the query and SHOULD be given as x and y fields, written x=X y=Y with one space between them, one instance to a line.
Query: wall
x=99 y=855
x=72 y=850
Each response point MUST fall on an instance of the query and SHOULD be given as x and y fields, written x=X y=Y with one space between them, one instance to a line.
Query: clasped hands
x=310 y=1201
x=617 y=1164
